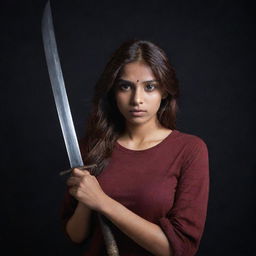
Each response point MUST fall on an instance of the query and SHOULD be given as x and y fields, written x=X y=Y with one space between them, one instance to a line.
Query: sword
x=64 y=113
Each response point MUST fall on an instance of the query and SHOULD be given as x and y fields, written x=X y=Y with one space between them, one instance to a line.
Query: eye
x=124 y=87
x=150 y=87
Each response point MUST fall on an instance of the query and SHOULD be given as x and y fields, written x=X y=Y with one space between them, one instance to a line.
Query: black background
x=211 y=45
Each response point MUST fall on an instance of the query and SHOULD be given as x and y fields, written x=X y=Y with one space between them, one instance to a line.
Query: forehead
x=137 y=71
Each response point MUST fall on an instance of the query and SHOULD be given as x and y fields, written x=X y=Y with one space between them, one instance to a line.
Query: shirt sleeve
x=184 y=223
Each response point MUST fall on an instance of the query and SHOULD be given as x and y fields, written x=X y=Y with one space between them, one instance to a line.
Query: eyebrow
x=127 y=81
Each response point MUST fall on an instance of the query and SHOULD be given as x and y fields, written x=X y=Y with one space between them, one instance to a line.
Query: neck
x=142 y=132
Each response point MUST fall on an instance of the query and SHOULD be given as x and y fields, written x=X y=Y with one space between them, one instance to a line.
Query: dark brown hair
x=105 y=123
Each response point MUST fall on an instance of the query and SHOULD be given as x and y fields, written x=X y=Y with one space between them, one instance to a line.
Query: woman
x=152 y=180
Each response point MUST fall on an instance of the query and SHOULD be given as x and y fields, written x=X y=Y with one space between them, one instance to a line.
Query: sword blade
x=64 y=113
x=58 y=87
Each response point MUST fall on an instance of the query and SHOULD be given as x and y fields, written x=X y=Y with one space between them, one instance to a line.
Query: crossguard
x=85 y=167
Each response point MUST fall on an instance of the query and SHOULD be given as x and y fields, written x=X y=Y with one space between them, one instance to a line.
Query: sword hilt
x=109 y=239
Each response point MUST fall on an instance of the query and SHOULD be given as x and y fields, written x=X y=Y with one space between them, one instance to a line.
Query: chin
x=137 y=120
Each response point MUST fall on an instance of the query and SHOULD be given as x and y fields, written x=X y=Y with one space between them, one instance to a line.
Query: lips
x=137 y=113
x=137 y=110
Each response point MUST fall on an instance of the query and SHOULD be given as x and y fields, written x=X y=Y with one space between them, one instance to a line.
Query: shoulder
x=191 y=147
x=194 y=150
x=190 y=140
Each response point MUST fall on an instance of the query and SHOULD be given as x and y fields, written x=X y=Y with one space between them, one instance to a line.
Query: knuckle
x=75 y=172
x=83 y=179
x=78 y=192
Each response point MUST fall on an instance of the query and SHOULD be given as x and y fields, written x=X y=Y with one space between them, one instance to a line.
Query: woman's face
x=138 y=90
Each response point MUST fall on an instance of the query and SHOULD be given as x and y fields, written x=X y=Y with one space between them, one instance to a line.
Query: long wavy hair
x=105 y=123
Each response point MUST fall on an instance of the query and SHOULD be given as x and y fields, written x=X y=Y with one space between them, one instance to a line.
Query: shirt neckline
x=169 y=136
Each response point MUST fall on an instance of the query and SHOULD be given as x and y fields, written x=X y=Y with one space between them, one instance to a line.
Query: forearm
x=145 y=233
x=78 y=225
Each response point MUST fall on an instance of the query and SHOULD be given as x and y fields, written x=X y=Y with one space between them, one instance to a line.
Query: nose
x=137 y=96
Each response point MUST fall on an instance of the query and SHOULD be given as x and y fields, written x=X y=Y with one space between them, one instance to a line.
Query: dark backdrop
x=211 y=45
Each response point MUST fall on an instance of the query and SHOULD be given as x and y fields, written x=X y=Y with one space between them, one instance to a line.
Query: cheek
x=154 y=101
x=121 y=100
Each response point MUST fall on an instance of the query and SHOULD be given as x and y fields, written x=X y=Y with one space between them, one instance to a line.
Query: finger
x=85 y=170
x=73 y=190
x=79 y=173
x=73 y=181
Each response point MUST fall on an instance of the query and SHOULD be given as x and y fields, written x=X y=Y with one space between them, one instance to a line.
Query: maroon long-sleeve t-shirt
x=167 y=184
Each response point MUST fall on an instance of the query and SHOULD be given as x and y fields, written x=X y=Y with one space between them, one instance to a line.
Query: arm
x=78 y=226
x=184 y=223
x=79 y=217
x=147 y=234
